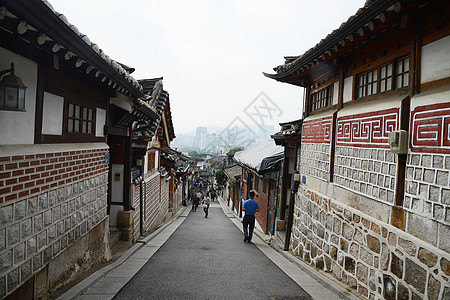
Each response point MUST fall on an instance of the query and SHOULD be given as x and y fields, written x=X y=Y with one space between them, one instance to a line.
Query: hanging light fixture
x=12 y=90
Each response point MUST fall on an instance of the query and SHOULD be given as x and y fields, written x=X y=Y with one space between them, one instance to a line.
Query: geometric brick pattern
x=430 y=128
x=368 y=130
x=317 y=130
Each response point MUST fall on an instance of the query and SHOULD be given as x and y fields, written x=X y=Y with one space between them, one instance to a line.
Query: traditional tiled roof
x=39 y=23
x=365 y=20
x=233 y=172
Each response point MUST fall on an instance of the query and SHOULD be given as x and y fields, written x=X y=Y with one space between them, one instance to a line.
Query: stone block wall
x=164 y=206
x=377 y=259
x=316 y=148
x=371 y=172
x=427 y=195
x=152 y=201
x=51 y=196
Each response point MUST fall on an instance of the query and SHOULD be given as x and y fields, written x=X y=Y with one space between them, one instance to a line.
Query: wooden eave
x=64 y=38
x=372 y=21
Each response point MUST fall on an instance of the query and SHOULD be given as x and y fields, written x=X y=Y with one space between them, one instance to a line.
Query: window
x=402 y=73
x=80 y=119
x=257 y=183
x=381 y=79
x=322 y=98
x=367 y=83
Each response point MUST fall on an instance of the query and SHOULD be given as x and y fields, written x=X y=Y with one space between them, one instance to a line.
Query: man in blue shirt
x=250 y=207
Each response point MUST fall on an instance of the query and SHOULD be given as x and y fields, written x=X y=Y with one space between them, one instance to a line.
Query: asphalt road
x=206 y=258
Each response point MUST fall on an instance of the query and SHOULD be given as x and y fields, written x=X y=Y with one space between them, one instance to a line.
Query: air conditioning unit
x=398 y=141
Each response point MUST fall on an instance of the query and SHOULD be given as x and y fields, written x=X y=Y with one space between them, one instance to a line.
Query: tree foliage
x=221 y=178
x=234 y=150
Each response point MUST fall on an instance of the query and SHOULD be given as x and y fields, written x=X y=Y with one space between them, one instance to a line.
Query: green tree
x=234 y=150
x=221 y=178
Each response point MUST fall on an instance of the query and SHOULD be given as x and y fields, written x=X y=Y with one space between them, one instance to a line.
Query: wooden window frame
x=322 y=98
x=385 y=81
x=85 y=117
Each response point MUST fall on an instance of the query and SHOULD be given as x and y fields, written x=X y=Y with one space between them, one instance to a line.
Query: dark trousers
x=249 y=225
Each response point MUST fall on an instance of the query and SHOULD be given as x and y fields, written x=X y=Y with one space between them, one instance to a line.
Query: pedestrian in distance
x=250 y=207
x=207 y=202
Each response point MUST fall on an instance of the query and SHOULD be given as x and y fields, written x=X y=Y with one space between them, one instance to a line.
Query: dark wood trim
x=127 y=201
x=401 y=164
x=333 y=146
x=39 y=107
x=284 y=185
x=340 y=95
x=434 y=84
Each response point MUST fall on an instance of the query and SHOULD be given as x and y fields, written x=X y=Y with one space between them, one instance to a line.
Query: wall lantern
x=12 y=90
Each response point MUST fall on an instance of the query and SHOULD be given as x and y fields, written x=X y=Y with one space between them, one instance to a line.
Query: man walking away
x=206 y=201
x=250 y=207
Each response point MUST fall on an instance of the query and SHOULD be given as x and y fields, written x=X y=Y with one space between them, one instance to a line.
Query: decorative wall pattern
x=317 y=130
x=430 y=128
x=368 y=130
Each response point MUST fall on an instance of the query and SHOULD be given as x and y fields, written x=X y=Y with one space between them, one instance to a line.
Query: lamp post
x=12 y=90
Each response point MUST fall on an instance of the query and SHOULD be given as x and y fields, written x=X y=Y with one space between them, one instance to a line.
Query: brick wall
x=49 y=199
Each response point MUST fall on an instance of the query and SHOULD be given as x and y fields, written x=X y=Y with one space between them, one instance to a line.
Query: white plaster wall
x=117 y=186
x=433 y=96
x=52 y=114
x=348 y=89
x=18 y=126
x=146 y=163
x=371 y=106
x=113 y=214
x=100 y=122
x=336 y=93
x=435 y=63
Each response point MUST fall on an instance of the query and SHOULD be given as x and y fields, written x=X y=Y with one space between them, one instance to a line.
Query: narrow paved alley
x=195 y=257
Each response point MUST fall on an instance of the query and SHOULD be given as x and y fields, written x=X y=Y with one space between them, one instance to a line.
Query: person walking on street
x=206 y=201
x=250 y=207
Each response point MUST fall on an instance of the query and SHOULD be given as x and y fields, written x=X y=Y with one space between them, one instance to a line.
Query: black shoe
x=245 y=239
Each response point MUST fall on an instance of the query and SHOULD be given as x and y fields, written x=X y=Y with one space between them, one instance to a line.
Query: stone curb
x=84 y=285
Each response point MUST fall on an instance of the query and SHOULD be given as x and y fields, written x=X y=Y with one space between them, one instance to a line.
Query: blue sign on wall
x=304 y=179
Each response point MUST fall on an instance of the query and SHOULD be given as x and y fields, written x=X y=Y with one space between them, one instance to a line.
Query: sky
x=212 y=54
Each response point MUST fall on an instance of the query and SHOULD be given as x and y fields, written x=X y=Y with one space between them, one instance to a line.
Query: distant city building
x=201 y=137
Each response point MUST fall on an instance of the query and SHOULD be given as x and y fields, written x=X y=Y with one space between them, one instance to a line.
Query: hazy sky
x=211 y=53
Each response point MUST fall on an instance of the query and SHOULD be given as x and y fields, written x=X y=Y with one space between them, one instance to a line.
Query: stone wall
x=377 y=259
x=51 y=196
x=152 y=200
x=315 y=160
x=371 y=172
x=316 y=148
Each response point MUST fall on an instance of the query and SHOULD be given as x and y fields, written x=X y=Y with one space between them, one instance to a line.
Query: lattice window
x=402 y=73
x=322 y=98
x=381 y=79
x=80 y=119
